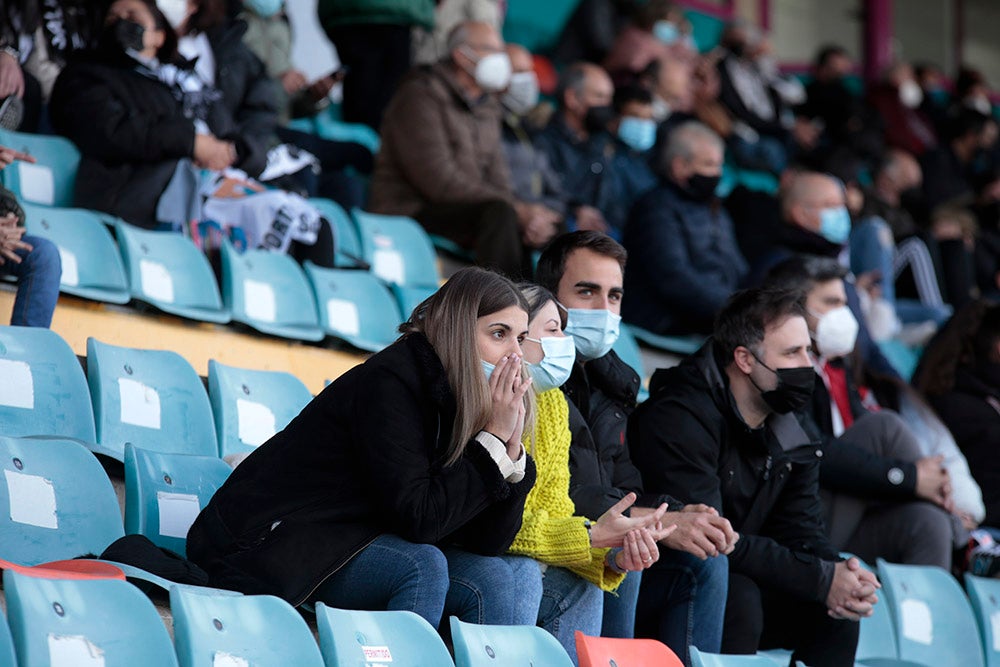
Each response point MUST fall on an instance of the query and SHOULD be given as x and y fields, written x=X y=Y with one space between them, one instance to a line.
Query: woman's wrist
x=612 y=560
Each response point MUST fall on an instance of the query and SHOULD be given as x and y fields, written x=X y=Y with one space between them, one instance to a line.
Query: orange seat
x=610 y=652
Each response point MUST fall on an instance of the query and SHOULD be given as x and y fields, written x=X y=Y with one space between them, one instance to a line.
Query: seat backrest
x=347 y=245
x=167 y=270
x=91 y=264
x=410 y=296
x=84 y=623
x=355 y=306
x=351 y=638
x=251 y=406
x=508 y=645
x=7 y=654
x=699 y=659
x=985 y=597
x=614 y=652
x=269 y=291
x=44 y=390
x=56 y=502
x=934 y=621
x=876 y=635
x=397 y=248
x=165 y=492
x=252 y=630
x=151 y=398
x=50 y=180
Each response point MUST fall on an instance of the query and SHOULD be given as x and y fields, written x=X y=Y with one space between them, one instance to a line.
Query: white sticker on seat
x=74 y=651
x=140 y=404
x=156 y=281
x=343 y=316
x=177 y=512
x=918 y=623
x=32 y=499
x=259 y=301
x=70 y=268
x=37 y=183
x=221 y=659
x=995 y=626
x=18 y=388
x=389 y=266
x=256 y=422
x=377 y=653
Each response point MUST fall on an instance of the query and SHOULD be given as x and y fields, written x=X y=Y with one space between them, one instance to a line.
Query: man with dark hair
x=682 y=596
x=685 y=261
x=600 y=174
x=634 y=124
x=718 y=429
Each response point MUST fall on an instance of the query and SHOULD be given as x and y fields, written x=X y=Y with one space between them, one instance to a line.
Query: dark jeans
x=762 y=618
x=377 y=57
x=38 y=276
x=489 y=229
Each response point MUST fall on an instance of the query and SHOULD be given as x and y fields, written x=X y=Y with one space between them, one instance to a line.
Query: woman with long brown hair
x=403 y=482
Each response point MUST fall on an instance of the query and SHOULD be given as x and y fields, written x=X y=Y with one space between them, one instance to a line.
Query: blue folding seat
x=985 y=597
x=350 y=638
x=252 y=631
x=250 y=406
x=627 y=348
x=49 y=181
x=91 y=264
x=269 y=292
x=347 y=246
x=165 y=492
x=680 y=345
x=397 y=249
x=355 y=306
x=508 y=645
x=167 y=270
x=151 y=398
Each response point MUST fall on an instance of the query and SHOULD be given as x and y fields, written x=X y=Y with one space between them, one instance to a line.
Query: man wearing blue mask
x=685 y=261
x=585 y=270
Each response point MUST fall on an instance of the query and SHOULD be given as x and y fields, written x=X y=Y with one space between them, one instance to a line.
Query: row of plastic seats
x=152 y=398
x=267 y=291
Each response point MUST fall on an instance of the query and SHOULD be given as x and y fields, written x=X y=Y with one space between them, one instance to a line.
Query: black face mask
x=598 y=118
x=795 y=388
x=701 y=187
x=123 y=35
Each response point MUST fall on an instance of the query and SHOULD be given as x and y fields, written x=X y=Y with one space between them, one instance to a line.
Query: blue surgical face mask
x=557 y=365
x=637 y=133
x=835 y=224
x=264 y=8
x=594 y=331
x=488 y=369
x=666 y=32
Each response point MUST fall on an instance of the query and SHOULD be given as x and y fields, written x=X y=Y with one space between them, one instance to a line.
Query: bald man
x=601 y=173
x=442 y=162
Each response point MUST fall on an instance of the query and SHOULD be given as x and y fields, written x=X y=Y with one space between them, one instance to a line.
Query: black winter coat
x=690 y=438
x=601 y=396
x=364 y=458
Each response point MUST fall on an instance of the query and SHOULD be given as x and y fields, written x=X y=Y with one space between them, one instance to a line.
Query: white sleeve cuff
x=511 y=471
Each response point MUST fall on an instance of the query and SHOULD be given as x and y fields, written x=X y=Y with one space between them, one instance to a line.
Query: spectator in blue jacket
x=684 y=261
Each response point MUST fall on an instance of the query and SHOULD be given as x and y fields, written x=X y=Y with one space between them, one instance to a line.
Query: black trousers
x=761 y=618
x=377 y=57
x=489 y=229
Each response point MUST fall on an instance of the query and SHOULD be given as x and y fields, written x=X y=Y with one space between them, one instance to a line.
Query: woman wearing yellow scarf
x=579 y=559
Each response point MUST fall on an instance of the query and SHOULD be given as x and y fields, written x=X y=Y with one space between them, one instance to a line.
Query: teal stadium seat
x=327 y=124
x=934 y=622
x=699 y=659
x=536 y=25
x=362 y=638
x=409 y=297
x=627 y=348
x=88 y=623
x=397 y=249
x=50 y=180
x=507 y=645
x=168 y=271
x=355 y=306
x=56 y=502
x=985 y=597
x=347 y=244
x=43 y=389
x=680 y=345
x=240 y=631
x=269 y=292
x=151 y=398
x=92 y=267
x=165 y=492
x=250 y=406
x=7 y=655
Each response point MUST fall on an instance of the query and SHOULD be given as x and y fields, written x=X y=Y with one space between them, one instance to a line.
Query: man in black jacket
x=682 y=597
x=716 y=430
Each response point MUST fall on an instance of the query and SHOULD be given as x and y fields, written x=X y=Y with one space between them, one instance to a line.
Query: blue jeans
x=569 y=603
x=619 y=608
x=38 y=277
x=682 y=602
x=501 y=590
